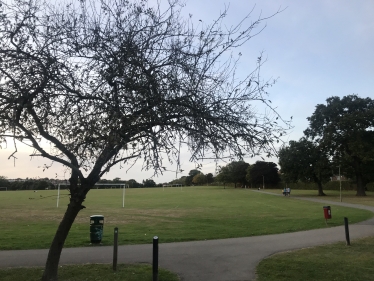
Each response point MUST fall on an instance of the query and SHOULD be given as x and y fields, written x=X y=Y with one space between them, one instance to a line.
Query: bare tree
x=108 y=82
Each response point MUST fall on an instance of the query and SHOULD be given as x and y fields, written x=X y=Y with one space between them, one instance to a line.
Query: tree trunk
x=51 y=267
x=360 y=185
x=320 y=190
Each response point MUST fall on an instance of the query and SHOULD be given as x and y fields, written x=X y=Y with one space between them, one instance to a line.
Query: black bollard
x=155 y=259
x=115 y=249
x=346 y=231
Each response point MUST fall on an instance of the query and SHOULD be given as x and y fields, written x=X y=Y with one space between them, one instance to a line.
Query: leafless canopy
x=108 y=81
x=116 y=81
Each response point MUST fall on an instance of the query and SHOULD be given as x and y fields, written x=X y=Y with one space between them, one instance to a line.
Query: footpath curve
x=232 y=259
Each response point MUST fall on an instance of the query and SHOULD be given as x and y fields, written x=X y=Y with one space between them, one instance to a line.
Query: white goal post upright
x=58 y=194
x=108 y=184
x=123 y=196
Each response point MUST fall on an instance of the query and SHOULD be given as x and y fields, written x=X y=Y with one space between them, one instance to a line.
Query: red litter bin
x=327 y=212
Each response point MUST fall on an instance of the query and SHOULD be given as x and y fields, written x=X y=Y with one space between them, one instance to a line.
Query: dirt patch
x=149 y=216
x=10 y=215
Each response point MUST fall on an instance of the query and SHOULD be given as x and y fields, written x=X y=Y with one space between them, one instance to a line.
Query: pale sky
x=316 y=49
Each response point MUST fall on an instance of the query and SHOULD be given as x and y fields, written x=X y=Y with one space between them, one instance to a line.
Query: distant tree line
x=238 y=173
x=130 y=183
x=45 y=183
x=195 y=177
x=242 y=174
x=27 y=184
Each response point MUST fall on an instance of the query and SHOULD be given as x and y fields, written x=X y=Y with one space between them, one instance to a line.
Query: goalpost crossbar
x=109 y=184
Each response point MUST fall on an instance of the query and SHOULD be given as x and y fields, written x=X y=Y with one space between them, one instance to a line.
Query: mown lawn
x=28 y=219
x=324 y=263
x=92 y=272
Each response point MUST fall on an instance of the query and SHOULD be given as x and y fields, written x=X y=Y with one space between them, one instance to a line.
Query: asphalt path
x=213 y=260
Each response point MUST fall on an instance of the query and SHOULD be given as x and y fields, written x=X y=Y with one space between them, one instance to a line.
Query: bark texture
x=360 y=182
x=320 y=190
x=51 y=267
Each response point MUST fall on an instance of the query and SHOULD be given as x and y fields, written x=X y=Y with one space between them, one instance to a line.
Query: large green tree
x=4 y=182
x=199 y=179
x=133 y=183
x=234 y=172
x=149 y=183
x=191 y=175
x=238 y=171
x=263 y=173
x=223 y=175
x=106 y=82
x=344 y=162
x=304 y=161
x=209 y=178
x=344 y=127
x=181 y=180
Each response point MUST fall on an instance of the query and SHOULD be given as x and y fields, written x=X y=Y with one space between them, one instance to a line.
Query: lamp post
x=340 y=185
x=263 y=182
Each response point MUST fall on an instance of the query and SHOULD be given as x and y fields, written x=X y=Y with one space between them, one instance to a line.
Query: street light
x=340 y=185
x=263 y=182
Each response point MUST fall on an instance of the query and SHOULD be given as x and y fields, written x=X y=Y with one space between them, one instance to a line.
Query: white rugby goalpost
x=107 y=184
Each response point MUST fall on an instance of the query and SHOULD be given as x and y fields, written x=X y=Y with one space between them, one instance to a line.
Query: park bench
x=287 y=192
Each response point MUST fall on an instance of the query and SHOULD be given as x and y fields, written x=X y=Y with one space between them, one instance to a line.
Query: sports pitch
x=29 y=219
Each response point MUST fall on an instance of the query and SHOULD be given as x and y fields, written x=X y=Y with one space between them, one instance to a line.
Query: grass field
x=29 y=219
x=323 y=263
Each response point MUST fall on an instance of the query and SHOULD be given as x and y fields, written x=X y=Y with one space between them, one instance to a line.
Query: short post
x=115 y=249
x=155 y=259
x=346 y=231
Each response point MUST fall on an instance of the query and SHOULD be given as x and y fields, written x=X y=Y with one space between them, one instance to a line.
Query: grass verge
x=323 y=263
x=92 y=272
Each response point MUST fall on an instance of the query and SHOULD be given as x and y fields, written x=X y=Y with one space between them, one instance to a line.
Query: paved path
x=213 y=260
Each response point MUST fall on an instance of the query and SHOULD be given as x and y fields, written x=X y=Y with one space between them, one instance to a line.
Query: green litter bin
x=96 y=228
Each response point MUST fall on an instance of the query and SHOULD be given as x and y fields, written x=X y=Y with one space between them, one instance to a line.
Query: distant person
x=284 y=191
x=288 y=191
